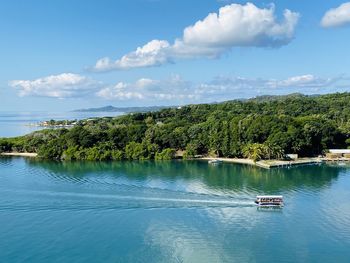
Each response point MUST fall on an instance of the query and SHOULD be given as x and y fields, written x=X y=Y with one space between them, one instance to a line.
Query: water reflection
x=225 y=177
x=177 y=211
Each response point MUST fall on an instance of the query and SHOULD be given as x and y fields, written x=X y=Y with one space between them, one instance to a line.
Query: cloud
x=303 y=81
x=336 y=17
x=64 y=85
x=172 y=89
x=153 y=53
x=241 y=25
x=238 y=87
x=234 y=25
x=120 y=91
x=175 y=90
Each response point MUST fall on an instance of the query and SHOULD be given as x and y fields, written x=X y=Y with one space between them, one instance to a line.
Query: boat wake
x=88 y=201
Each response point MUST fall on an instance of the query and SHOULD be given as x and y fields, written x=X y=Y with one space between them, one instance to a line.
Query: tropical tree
x=255 y=151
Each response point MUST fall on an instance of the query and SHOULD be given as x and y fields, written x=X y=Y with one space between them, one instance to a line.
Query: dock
x=268 y=164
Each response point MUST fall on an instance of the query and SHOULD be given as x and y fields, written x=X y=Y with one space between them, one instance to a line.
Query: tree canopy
x=261 y=128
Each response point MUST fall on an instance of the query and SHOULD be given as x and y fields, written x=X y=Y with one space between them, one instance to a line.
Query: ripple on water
x=122 y=183
x=176 y=211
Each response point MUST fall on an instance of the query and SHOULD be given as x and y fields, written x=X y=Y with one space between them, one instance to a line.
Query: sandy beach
x=20 y=154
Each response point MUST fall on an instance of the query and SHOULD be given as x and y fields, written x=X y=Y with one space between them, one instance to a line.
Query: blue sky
x=164 y=52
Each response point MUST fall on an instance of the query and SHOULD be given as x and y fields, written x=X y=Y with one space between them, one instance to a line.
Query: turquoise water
x=178 y=211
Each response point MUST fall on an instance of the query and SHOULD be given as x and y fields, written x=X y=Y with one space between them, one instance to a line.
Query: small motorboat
x=214 y=161
x=269 y=200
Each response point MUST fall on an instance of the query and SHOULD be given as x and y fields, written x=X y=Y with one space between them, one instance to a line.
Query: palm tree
x=274 y=151
x=255 y=151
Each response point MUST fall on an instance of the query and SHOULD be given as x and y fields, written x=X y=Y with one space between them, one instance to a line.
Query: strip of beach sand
x=20 y=154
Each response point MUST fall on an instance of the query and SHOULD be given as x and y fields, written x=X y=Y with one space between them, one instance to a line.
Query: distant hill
x=267 y=98
x=258 y=99
x=123 y=109
x=266 y=127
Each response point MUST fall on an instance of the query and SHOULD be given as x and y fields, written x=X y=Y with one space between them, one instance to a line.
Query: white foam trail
x=141 y=198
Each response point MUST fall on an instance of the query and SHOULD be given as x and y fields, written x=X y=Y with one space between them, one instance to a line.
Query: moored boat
x=214 y=161
x=269 y=200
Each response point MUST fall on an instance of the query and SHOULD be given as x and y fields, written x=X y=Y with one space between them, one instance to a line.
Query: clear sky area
x=65 y=55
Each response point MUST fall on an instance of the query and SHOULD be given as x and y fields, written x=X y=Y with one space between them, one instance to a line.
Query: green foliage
x=5 y=145
x=117 y=155
x=255 y=151
x=53 y=150
x=261 y=128
x=166 y=154
x=191 y=151
x=72 y=153
x=140 y=151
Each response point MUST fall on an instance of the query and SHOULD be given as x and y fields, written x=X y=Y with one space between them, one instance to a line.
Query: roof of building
x=339 y=150
x=269 y=196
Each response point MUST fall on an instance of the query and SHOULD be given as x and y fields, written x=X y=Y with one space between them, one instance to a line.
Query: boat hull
x=269 y=204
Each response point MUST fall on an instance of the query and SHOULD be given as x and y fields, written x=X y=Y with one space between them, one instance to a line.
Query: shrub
x=166 y=154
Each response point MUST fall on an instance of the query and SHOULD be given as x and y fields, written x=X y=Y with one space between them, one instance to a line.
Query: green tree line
x=261 y=128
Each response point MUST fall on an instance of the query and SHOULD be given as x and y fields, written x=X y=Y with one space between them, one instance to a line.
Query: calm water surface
x=171 y=212
x=21 y=123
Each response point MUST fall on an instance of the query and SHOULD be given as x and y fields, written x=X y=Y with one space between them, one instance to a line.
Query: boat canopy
x=269 y=196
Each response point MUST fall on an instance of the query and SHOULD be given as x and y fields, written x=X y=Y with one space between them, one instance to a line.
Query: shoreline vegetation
x=54 y=124
x=262 y=131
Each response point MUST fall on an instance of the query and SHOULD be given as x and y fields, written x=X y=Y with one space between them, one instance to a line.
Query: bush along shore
x=261 y=128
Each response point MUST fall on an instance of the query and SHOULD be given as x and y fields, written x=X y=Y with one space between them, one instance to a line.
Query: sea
x=14 y=124
x=168 y=211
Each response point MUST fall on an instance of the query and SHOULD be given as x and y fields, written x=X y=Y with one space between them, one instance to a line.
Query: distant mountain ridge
x=124 y=109
x=267 y=98
x=258 y=99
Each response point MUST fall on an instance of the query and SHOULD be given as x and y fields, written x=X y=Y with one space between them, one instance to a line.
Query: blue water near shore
x=171 y=211
x=21 y=123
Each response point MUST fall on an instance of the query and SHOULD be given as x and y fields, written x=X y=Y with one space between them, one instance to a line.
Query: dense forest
x=261 y=128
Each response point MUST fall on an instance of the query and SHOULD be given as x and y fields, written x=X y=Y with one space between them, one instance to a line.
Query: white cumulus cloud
x=64 y=85
x=154 y=53
x=336 y=17
x=242 y=25
x=120 y=91
x=234 y=25
x=239 y=87
x=174 y=88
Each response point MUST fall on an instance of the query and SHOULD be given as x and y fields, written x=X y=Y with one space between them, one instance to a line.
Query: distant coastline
x=266 y=132
x=124 y=109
